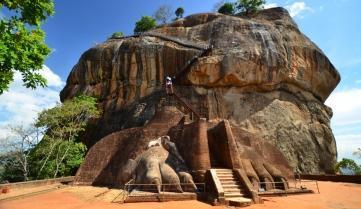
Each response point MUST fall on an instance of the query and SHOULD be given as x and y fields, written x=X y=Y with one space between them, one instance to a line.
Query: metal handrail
x=272 y=182
x=203 y=186
x=316 y=182
x=123 y=192
x=300 y=181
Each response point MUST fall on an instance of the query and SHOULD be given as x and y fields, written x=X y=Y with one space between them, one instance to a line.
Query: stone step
x=232 y=190
x=226 y=178
x=233 y=194
x=229 y=182
x=225 y=175
x=238 y=186
x=238 y=201
x=224 y=170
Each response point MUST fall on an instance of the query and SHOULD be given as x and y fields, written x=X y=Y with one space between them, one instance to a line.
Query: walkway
x=333 y=195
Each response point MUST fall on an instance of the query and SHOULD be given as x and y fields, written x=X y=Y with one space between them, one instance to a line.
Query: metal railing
x=124 y=193
x=177 y=40
x=262 y=185
x=301 y=184
x=150 y=189
x=298 y=185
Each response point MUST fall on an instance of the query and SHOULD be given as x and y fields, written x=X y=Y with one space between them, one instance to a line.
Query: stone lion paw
x=157 y=169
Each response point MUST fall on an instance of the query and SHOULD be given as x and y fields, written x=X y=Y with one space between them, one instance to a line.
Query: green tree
x=250 y=6
x=144 y=24
x=347 y=166
x=52 y=168
x=16 y=152
x=117 y=35
x=163 y=14
x=179 y=12
x=63 y=124
x=22 y=46
x=10 y=168
x=227 y=9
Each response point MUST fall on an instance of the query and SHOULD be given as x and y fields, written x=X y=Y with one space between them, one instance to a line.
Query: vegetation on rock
x=163 y=14
x=250 y=6
x=179 y=12
x=144 y=24
x=22 y=45
x=227 y=9
x=117 y=35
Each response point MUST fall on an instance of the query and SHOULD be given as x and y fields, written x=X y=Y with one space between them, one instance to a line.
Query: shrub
x=144 y=24
x=227 y=9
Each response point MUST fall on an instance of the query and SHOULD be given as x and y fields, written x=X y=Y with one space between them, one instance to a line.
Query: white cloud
x=346 y=121
x=52 y=78
x=347 y=144
x=346 y=106
x=297 y=8
x=270 y=5
x=20 y=105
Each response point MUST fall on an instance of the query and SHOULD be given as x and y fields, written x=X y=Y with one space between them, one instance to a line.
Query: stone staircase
x=232 y=188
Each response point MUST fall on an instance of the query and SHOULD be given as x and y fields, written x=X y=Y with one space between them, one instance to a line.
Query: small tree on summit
x=179 y=12
x=227 y=9
x=250 y=6
x=144 y=24
x=117 y=35
x=163 y=14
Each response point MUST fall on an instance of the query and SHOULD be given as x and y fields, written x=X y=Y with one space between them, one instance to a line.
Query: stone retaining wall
x=27 y=184
x=335 y=178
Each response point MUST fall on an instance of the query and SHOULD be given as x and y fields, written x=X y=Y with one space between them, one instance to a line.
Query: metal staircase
x=186 y=106
x=187 y=67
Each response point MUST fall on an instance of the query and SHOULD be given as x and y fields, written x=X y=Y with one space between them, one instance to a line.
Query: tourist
x=169 y=85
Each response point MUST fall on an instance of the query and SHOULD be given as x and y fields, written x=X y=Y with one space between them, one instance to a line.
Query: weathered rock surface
x=263 y=75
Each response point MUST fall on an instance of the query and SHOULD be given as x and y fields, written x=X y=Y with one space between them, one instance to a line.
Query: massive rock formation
x=262 y=74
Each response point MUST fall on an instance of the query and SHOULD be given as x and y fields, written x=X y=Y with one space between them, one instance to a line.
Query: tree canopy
x=22 y=45
x=250 y=6
x=227 y=9
x=63 y=124
x=60 y=150
x=144 y=24
x=117 y=35
x=163 y=14
x=348 y=166
x=179 y=12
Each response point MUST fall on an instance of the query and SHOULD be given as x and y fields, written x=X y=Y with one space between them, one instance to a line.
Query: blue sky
x=334 y=25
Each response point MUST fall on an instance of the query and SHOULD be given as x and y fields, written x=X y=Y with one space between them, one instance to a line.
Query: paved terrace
x=336 y=195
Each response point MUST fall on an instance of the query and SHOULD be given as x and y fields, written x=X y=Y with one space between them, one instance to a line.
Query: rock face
x=262 y=74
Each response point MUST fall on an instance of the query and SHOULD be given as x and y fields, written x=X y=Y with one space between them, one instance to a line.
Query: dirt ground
x=333 y=195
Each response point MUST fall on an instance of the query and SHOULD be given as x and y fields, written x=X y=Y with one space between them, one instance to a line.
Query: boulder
x=262 y=74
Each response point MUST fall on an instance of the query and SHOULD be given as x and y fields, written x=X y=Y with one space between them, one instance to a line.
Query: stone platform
x=285 y=192
x=141 y=196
